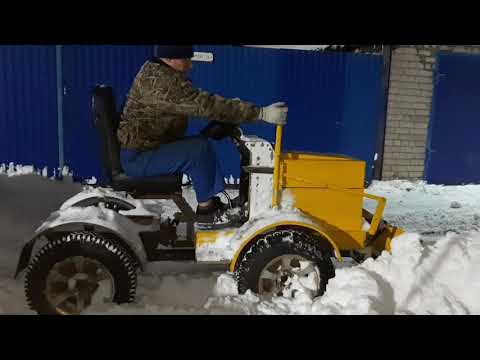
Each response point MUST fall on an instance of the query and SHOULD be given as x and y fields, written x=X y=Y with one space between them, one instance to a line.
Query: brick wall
x=409 y=107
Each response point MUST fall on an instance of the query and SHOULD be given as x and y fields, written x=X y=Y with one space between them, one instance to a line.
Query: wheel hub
x=76 y=283
x=278 y=276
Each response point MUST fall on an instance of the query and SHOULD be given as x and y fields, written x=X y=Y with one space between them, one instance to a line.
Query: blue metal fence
x=335 y=99
x=28 y=106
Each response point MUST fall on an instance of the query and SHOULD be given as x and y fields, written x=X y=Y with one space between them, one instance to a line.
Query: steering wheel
x=218 y=131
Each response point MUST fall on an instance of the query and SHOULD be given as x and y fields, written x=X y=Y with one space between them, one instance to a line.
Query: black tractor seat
x=106 y=121
x=162 y=185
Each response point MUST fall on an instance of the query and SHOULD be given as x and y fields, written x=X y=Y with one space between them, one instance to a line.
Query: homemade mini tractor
x=294 y=213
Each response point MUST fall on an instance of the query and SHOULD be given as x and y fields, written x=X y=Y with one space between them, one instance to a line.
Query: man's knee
x=199 y=143
x=200 y=147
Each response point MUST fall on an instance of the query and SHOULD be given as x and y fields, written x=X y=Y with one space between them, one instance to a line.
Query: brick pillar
x=410 y=101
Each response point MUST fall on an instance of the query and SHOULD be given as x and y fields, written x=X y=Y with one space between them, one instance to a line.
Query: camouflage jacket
x=160 y=102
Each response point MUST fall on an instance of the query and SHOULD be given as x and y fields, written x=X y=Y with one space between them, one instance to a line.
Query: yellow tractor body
x=321 y=194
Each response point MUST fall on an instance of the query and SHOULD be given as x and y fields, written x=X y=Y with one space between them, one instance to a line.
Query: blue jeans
x=194 y=156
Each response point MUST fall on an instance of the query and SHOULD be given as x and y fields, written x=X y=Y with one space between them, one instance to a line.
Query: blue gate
x=28 y=106
x=336 y=100
x=453 y=149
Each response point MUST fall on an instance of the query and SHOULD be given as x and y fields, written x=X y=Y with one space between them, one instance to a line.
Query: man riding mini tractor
x=293 y=214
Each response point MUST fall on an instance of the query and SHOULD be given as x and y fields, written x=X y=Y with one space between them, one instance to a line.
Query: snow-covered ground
x=438 y=275
x=430 y=209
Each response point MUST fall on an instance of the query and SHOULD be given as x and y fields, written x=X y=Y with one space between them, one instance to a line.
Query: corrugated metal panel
x=363 y=108
x=28 y=116
x=84 y=67
x=453 y=151
x=335 y=99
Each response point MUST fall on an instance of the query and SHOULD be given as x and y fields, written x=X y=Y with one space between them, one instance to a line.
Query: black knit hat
x=174 y=52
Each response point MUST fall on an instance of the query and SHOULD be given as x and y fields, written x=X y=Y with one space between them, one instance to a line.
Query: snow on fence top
x=294 y=47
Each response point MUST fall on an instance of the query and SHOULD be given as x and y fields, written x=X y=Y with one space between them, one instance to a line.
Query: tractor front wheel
x=283 y=262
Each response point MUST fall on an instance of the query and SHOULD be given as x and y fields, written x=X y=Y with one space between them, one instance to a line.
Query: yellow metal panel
x=352 y=240
x=210 y=237
x=342 y=209
x=377 y=218
x=319 y=171
x=316 y=156
x=330 y=189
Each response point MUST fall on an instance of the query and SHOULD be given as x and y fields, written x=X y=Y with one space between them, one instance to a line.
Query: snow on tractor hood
x=91 y=192
x=158 y=209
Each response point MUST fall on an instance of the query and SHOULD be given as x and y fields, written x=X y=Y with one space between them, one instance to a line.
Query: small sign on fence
x=203 y=56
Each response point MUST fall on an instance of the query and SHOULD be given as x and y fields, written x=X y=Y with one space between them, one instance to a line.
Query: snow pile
x=66 y=171
x=231 y=180
x=16 y=170
x=415 y=279
x=22 y=170
x=91 y=181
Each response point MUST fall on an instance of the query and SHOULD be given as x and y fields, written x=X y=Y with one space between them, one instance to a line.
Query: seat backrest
x=106 y=121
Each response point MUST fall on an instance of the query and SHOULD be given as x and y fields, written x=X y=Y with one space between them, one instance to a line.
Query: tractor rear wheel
x=283 y=262
x=71 y=273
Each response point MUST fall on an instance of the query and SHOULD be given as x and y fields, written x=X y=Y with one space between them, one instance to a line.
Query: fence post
x=60 y=94
x=380 y=149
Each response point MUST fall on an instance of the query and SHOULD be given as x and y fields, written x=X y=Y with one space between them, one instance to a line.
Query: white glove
x=275 y=114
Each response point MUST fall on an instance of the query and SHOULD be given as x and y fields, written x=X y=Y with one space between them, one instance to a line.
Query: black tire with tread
x=272 y=245
x=116 y=259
